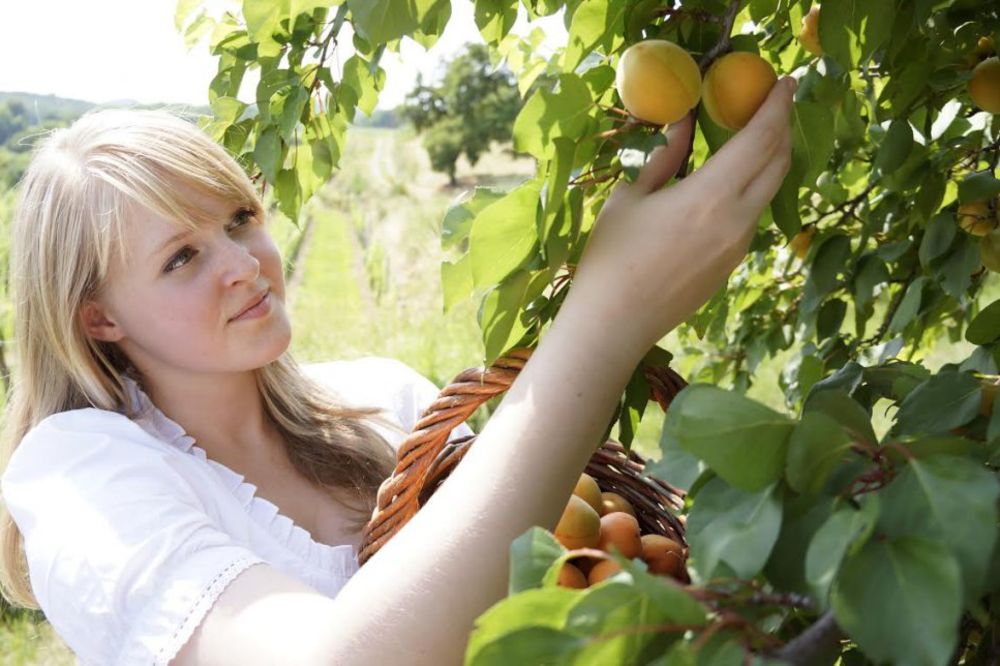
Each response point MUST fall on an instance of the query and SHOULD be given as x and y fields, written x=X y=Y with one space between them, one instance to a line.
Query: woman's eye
x=173 y=262
x=240 y=219
x=245 y=216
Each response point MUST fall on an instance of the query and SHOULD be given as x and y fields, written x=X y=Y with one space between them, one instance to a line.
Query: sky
x=107 y=50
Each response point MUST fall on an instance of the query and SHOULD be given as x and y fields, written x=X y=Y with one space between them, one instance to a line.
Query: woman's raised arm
x=655 y=256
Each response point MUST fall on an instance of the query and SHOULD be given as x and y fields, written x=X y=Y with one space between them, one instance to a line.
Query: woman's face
x=171 y=305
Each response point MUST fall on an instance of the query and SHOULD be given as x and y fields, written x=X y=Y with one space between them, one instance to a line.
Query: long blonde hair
x=69 y=221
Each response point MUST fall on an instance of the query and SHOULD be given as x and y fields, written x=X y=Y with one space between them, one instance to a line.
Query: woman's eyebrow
x=176 y=237
x=187 y=232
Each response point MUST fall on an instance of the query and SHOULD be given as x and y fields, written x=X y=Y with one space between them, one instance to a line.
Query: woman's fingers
x=664 y=161
x=763 y=187
x=748 y=153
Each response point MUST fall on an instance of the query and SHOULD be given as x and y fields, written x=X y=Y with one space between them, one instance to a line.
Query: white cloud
x=105 y=50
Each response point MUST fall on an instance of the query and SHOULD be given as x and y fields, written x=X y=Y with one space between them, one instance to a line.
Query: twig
x=806 y=648
x=724 y=44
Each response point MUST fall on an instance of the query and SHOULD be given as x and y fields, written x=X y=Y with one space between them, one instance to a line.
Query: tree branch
x=809 y=646
x=722 y=46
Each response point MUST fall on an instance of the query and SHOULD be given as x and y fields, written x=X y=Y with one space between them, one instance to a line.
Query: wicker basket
x=425 y=458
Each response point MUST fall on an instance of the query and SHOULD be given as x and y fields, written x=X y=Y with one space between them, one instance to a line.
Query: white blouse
x=131 y=532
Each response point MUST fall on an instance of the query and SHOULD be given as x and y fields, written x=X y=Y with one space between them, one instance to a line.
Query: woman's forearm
x=420 y=594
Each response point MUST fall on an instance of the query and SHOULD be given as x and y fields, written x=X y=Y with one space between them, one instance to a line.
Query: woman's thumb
x=664 y=161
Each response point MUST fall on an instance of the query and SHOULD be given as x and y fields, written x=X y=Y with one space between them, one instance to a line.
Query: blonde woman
x=177 y=490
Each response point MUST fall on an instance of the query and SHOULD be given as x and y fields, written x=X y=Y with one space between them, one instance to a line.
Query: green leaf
x=955 y=273
x=837 y=404
x=675 y=466
x=742 y=440
x=592 y=22
x=286 y=106
x=846 y=530
x=816 y=446
x=901 y=601
x=943 y=402
x=909 y=307
x=500 y=315
x=459 y=217
x=830 y=259
x=381 y=21
x=938 y=237
x=504 y=235
x=531 y=555
x=360 y=85
x=896 y=146
x=979 y=186
x=547 y=115
x=985 y=327
x=456 y=281
x=839 y=24
x=731 y=531
x=537 y=610
x=813 y=139
x=636 y=398
x=802 y=518
x=268 y=153
x=495 y=18
x=953 y=501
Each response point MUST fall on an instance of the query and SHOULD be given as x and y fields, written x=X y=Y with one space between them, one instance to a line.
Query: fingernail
x=791 y=83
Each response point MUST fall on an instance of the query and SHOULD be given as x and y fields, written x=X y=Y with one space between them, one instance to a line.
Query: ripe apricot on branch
x=976 y=218
x=802 y=240
x=984 y=86
x=588 y=490
x=735 y=86
x=809 y=35
x=984 y=47
x=579 y=526
x=989 y=251
x=658 y=81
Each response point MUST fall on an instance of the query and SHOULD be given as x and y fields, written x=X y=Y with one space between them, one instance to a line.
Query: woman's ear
x=97 y=324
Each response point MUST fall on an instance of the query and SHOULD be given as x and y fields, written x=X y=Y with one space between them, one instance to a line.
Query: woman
x=150 y=317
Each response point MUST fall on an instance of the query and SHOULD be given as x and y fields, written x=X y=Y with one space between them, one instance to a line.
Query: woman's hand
x=656 y=255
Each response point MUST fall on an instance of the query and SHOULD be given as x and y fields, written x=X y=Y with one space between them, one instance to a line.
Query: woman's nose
x=239 y=263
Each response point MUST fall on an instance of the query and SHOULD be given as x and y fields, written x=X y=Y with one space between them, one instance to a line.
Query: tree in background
x=474 y=105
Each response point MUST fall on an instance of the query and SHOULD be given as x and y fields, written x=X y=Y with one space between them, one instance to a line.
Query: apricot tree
x=859 y=523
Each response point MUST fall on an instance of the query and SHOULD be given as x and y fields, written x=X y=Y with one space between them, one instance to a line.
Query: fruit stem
x=724 y=44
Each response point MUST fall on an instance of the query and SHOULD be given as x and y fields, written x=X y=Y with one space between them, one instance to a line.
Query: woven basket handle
x=418 y=457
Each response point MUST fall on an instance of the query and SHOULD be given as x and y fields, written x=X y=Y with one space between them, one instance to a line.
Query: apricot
x=809 y=35
x=976 y=218
x=601 y=570
x=984 y=47
x=611 y=502
x=620 y=530
x=658 y=81
x=984 y=86
x=663 y=556
x=570 y=576
x=579 y=526
x=735 y=86
x=588 y=490
x=989 y=251
x=801 y=241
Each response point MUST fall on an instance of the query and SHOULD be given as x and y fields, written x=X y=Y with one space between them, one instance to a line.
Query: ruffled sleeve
x=375 y=381
x=123 y=556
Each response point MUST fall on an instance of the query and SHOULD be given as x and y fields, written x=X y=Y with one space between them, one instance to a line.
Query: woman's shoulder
x=86 y=435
